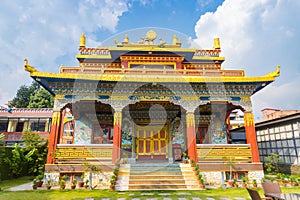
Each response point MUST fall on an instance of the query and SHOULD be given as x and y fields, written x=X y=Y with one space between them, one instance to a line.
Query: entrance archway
x=150 y=128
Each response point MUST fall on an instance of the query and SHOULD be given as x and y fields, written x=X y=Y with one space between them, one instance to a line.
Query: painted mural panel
x=83 y=131
x=126 y=136
x=177 y=132
x=218 y=131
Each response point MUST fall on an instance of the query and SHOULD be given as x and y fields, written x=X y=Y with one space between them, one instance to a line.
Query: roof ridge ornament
x=82 y=42
x=275 y=73
x=148 y=41
x=28 y=67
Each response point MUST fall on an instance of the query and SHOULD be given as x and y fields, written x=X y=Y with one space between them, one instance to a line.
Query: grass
x=81 y=194
x=142 y=195
x=14 y=182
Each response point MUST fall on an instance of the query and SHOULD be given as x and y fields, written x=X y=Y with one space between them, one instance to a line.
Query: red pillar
x=191 y=136
x=54 y=132
x=117 y=136
x=251 y=135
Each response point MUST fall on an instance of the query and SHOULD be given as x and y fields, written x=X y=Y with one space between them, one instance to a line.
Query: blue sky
x=255 y=35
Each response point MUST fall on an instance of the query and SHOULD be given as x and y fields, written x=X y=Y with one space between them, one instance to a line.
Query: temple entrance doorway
x=152 y=142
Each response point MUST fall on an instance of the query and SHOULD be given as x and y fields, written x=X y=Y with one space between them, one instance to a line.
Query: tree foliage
x=16 y=161
x=32 y=155
x=33 y=96
x=41 y=99
x=272 y=164
x=35 y=151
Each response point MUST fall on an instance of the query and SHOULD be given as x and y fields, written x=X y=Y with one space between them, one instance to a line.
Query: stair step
x=155 y=187
x=157 y=182
x=155 y=173
x=160 y=177
x=154 y=176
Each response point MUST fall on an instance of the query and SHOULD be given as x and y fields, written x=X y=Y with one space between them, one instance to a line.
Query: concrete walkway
x=26 y=186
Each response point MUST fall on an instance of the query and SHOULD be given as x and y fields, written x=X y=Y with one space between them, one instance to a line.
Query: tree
x=16 y=161
x=32 y=96
x=272 y=163
x=22 y=98
x=41 y=99
x=35 y=151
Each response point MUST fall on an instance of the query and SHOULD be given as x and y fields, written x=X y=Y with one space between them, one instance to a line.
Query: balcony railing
x=73 y=153
x=17 y=136
x=224 y=153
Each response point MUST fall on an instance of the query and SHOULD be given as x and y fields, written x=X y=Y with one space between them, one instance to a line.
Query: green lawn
x=81 y=194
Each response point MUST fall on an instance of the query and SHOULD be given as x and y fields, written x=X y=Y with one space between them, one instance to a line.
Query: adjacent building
x=280 y=136
x=16 y=120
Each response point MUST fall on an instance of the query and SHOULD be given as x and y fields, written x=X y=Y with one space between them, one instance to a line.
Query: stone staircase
x=156 y=176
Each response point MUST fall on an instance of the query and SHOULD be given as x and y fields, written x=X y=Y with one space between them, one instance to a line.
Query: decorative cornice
x=154 y=78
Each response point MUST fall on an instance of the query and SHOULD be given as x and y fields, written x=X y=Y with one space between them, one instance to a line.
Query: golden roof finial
x=217 y=43
x=27 y=67
x=82 y=40
x=175 y=40
x=126 y=39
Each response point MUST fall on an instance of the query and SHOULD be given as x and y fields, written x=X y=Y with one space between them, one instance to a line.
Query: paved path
x=26 y=186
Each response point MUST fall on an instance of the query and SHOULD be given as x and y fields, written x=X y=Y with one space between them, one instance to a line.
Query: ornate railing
x=72 y=153
x=164 y=71
x=224 y=153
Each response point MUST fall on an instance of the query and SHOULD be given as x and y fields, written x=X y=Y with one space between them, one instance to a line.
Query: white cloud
x=257 y=36
x=47 y=32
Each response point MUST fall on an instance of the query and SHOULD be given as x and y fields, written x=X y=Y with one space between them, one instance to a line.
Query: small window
x=19 y=127
x=38 y=126
x=3 y=126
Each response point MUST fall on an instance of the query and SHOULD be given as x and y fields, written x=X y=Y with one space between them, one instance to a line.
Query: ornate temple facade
x=149 y=102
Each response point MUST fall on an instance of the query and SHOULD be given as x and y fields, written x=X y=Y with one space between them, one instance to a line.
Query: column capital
x=189 y=105
x=55 y=118
x=118 y=118
x=118 y=105
x=190 y=119
x=246 y=103
x=249 y=118
x=60 y=102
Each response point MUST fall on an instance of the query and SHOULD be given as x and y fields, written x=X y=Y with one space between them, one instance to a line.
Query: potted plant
x=192 y=162
x=202 y=185
x=185 y=158
x=40 y=180
x=48 y=183
x=62 y=184
x=73 y=185
x=34 y=184
x=86 y=183
x=81 y=182
x=244 y=182
x=235 y=183
x=231 y=165
x=293 y=181
x=125 y=157
x=254 y=183
x=112 y=182
x=116 y=170
x=283 y=180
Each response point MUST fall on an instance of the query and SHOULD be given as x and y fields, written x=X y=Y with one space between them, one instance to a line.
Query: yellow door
x=152 y=142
